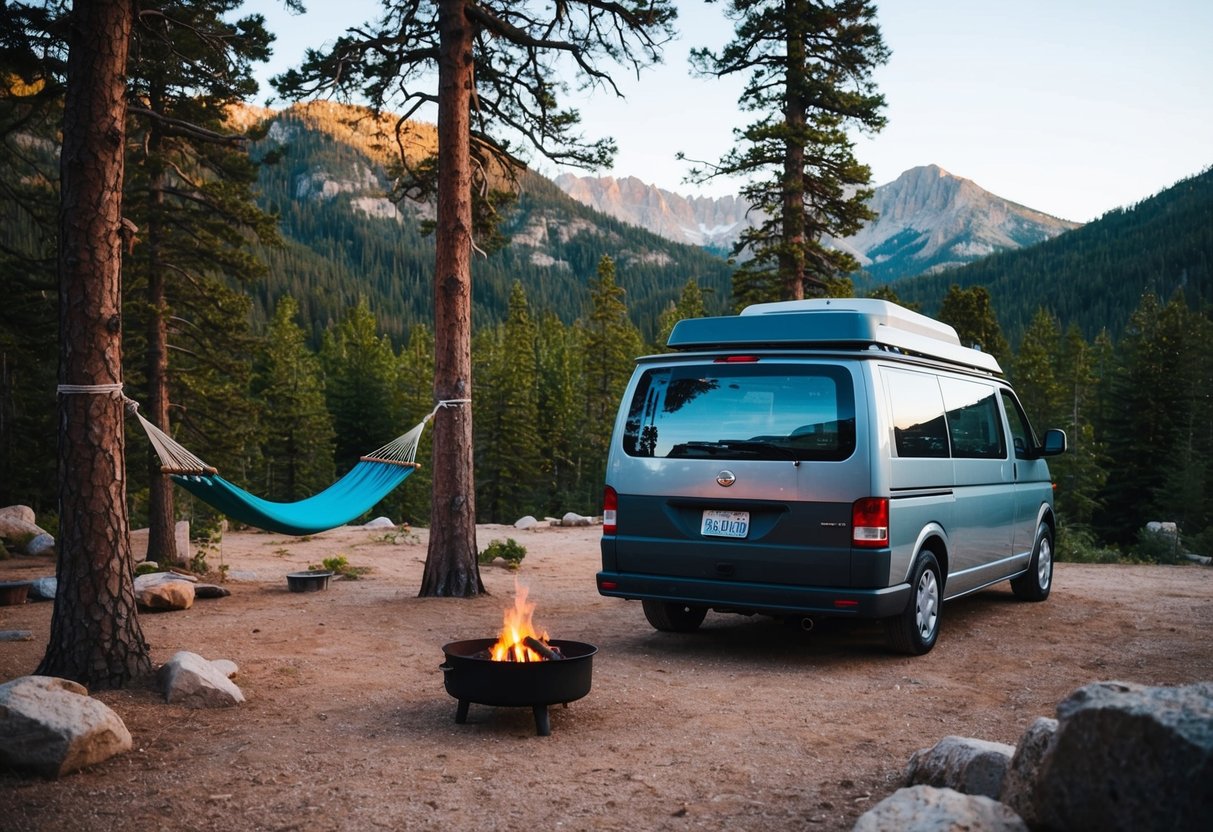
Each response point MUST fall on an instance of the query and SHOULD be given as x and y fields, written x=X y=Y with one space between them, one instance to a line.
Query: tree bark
x=451 y=567
x=792 y=257
x=95 y=634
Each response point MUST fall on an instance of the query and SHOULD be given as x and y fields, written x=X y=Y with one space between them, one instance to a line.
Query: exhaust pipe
x=806 y=624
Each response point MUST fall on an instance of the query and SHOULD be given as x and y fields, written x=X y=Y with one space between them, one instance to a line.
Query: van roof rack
x=831 y=322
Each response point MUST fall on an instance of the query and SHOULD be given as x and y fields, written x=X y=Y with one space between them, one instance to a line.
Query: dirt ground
x=747 y=724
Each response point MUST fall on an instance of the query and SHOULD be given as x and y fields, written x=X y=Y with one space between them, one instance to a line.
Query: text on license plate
x=725 y=523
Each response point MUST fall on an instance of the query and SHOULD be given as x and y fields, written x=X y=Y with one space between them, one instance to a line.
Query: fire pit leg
x=461 y=713
x=543 y=726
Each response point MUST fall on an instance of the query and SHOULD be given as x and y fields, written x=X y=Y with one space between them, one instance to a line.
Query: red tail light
x=610 y=502
x=870 y=523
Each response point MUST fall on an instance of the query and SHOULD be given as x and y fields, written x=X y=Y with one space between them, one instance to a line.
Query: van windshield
x=743 y=411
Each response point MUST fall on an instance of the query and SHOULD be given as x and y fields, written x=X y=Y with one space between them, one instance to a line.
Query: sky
x=1071 y=107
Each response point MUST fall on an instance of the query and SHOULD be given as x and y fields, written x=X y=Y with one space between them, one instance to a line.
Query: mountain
x=927 y=220
x=1094 y=277
x=345 y=240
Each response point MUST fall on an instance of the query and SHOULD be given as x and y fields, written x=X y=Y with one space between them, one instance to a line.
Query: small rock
x=527 y=522
x=190 y=680
x=967 y=765
x=928 y=809
x=1019 y=784
x=574 y=519
x=16 y=635
x=164 y=596
x=211 y=591
x=43 y=589
x=39 y=545
x=380 y=523
x=51 y=727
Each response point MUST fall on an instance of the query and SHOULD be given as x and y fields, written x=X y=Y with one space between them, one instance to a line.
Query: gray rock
x=51 y=727
x=1130 y=757
x=190 y=680
x=17 y=525
x=39 y=545
x=226 y=666
x=928 y=809
x=527 y=522
x=16 y=635
x=1019 y=784
x=574 y=519
x=211 y=591
x=967 y=765
x=380 y=523
x=43 y=589
x=157 y=578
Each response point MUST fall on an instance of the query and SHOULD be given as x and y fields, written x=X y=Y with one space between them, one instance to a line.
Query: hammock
x=368 y=482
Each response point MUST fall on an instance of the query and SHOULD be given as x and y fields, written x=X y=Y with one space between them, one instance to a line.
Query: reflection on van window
x=974 y=423
x=1021 y=428
x=919 y=429
x=743 y=411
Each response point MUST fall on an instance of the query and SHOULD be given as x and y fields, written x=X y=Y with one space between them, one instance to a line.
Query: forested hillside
x=344 y=240
x=1095 y=276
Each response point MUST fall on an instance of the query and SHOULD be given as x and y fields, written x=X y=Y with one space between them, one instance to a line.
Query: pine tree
x=415 y=399
x=561 y=395
x=297 y=428
x=690 y=305
x=493 y=60
x=610 y=344
x=808 y=66
x=970 y=312
x=1079 y=472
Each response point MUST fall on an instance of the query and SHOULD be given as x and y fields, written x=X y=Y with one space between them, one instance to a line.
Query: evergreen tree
x=508 y=427
x=610 y=344
x=808 y=67
x=495 y=62
x=296 y=425
x=1079 y=472
x=689 y=305
x=189 y=194
x=970 y=312
x=415 y=399
x=561 y=396
x=361 y=372
x=1033 y=371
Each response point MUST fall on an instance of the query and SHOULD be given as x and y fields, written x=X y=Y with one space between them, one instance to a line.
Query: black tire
x=915 y=629
x=1035 y=584
x=674 y=618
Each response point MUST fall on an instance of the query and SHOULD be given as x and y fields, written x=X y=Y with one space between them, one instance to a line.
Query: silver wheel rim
x=1044 y=563
x=927 y=610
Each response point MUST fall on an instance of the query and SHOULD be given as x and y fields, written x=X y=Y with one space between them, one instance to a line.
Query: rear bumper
x=773 y=599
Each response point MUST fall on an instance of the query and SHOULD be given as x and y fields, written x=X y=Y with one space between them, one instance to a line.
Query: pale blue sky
x=1071 y=107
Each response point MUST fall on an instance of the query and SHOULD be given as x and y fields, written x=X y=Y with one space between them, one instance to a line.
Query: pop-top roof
x=831 y=322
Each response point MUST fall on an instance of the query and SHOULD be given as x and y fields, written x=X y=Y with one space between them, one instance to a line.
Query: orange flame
x=517 y=626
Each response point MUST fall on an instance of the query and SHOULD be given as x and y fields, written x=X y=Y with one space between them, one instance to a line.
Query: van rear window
x=743 y=411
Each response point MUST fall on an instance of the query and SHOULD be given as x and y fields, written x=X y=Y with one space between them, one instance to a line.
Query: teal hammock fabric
x=368 y=482
x=357 y=492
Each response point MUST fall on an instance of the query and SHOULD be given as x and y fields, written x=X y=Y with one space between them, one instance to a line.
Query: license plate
x=725 y=523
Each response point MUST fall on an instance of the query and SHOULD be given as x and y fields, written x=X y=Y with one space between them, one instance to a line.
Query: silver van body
x=838 y=457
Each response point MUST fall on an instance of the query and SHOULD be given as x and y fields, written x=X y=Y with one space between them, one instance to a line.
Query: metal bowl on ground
x=470 y=676
x=311 y=581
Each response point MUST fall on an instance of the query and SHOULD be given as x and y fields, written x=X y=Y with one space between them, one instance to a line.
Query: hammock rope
x=374 y=476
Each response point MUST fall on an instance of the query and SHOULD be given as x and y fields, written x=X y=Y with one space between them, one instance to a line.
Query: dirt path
x=746 y=724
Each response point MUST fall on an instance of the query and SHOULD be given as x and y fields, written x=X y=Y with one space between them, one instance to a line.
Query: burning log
x=550 y=654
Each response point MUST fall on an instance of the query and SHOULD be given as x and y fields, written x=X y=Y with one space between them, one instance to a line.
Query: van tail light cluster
x=870 y=523
x=610 y=502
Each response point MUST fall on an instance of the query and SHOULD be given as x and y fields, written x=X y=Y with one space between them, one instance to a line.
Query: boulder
x=928 y=809
x=51 y=727
x=190 y=680
x=1129 y=757
x=380 y=523
x=967 y=765
x=211 y=591
x=573 y=519
x=1020 y=781
x=527 y=522
x=163 y=594
x=40 y=545
x=226 y=666
x=18 y=527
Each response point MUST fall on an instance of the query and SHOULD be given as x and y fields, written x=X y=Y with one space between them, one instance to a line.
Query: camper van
x=823 y=458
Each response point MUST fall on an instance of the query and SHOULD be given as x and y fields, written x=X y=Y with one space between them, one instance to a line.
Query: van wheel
x=916 y=628
x=1034 y=585
x=674 y=618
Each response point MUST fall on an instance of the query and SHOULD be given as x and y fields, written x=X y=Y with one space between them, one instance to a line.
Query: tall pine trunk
x=792 y=257
x=451 y=567
x=95 y=634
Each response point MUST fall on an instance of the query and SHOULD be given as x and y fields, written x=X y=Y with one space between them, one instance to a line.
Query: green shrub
x=509 y=550
x=341 y=567
x=1076 y=544
x=1158 y=547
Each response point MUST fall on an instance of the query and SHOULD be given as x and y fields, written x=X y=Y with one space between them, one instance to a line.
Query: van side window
x=919 y=428
x=1021 y=429
x=974 y=424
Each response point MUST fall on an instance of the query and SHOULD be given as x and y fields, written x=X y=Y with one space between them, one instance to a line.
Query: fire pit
x=518 y=669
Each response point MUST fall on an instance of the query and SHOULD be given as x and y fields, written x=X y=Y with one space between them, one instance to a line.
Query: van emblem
x=725 y=478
